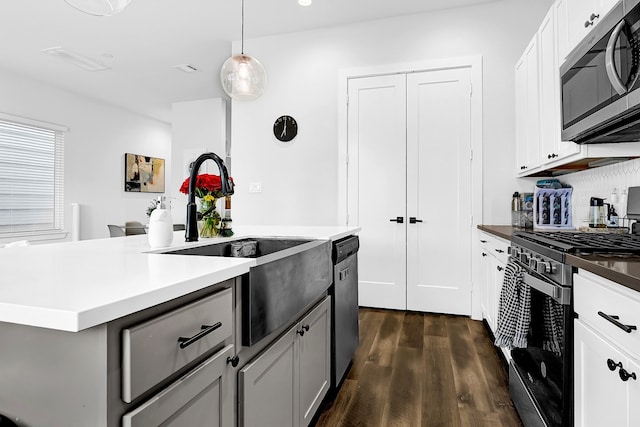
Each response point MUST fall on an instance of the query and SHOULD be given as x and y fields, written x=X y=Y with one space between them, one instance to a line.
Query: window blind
x=31 y=176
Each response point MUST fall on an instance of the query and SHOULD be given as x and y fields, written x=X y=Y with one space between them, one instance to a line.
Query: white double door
x=409 y=172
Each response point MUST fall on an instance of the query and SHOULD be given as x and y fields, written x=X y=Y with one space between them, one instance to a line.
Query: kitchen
x=303 y=82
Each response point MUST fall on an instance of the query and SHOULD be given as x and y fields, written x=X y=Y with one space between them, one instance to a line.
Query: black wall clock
x=285 y=128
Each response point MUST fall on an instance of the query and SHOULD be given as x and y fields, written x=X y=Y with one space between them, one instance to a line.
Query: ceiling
x=144 y=42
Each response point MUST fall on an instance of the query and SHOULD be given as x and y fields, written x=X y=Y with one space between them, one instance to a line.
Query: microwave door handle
x=610 y=65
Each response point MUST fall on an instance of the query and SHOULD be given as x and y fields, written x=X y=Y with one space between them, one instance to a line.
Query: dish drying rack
x=552 y=208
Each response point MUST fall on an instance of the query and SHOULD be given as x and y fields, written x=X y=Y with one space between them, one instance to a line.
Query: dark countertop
x=622 y=270
x=503 y=231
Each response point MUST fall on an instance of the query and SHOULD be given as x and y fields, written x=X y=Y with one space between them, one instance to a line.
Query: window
x=31 y=177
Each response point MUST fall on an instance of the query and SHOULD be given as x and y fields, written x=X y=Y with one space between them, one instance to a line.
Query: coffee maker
x=598 y=213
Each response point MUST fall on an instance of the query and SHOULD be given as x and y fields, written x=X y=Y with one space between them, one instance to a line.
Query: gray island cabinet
x=130 y=371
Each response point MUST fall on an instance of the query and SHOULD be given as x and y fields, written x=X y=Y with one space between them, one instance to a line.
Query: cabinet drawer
x=155 y=349
x=202 y=397
x=594 y=295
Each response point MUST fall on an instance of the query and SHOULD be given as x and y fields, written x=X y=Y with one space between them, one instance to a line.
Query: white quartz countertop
x=73 y=286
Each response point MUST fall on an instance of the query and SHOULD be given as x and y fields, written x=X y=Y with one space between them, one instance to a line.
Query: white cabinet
x=552 y=147
x=285 y=385
x=576 y=18
x=494 y=257
x=540 y=150
x=527 y=109
x=606 y=357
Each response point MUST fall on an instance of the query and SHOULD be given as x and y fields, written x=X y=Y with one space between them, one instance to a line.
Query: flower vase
x=209 y=224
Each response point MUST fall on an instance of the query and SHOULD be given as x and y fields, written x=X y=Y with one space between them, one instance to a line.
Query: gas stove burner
x=584 y=243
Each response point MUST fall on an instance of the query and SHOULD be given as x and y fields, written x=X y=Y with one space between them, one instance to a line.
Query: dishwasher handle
x=344 y=248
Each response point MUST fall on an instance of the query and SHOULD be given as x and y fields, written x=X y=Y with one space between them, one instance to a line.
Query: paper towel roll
x=75 y=222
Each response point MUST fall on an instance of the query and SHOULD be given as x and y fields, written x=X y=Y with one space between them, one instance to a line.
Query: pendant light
x=242 y=76
x=99 y=7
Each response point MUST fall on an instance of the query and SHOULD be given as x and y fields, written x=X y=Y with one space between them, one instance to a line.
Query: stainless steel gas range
x=541 y=375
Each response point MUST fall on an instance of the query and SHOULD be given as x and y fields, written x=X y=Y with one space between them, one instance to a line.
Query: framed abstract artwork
x=143 y=174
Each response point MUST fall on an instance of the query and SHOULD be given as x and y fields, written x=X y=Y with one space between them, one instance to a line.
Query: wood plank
x=412 y=330
x=470 y=383
x=404 y=402
x=367 y=405
x=435 y=325
x=385 y=342
x=439 y=395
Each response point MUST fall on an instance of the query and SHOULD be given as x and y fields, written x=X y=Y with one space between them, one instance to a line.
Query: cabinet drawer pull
x=233 y=360
x=483 y=241
x=614 y=320
x=484 y=254
x=185 y=342
x=499 y=268
x=613 y=365
x=624 y=375
x=302 y=330
x=398 y=219
x=500 y=251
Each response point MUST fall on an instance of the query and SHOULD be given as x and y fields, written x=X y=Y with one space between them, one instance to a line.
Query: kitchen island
x=73 y=313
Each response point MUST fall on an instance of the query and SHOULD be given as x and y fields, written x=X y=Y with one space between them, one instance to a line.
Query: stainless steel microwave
x=599 y=81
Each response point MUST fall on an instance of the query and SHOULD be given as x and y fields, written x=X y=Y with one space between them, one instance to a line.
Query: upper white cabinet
x=576 y=18
x=540 y=150
x=552 y=146
x=527 y=109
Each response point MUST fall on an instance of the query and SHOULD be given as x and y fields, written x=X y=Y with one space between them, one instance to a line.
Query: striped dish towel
x=514 y=312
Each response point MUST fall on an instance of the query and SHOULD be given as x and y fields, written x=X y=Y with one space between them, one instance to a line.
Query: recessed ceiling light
x=76 y=59
x=304 y=2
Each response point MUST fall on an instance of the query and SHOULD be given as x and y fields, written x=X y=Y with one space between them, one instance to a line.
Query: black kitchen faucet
x=191 y=233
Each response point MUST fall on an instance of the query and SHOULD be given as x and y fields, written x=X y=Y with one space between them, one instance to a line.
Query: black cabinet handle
x=613 y=365
x=594 y=16
x=484 y=254
x=499 y=268
x=500 y=251
x=233 y=360
x=413 y=220
x=614 y=319
x=398 y=219
x=483 y=241
x=624 y=375
x=302 y=330
x=186 y=342
x=587 y=23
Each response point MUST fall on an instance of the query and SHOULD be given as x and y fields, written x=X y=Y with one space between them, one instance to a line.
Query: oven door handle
x=560 y=294
x=610 y=65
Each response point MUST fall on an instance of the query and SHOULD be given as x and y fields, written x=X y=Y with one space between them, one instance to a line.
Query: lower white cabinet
x=493 y=255
x=203 y=397
x=285 y=385
x=606 y=361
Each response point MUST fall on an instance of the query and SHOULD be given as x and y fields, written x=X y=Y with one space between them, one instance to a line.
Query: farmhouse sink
x=289 y=275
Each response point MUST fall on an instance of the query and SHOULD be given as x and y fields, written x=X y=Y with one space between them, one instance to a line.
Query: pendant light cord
x=242 y=30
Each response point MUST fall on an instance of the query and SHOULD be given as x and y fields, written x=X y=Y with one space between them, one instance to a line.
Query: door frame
x=474 y=63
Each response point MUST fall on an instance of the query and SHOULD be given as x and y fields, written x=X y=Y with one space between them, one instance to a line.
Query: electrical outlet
x=255 y=187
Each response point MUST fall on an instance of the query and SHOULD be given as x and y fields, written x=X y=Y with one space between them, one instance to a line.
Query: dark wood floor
x=415 y=369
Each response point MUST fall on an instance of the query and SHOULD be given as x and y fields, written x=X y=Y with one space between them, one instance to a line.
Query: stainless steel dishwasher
x=344 y=301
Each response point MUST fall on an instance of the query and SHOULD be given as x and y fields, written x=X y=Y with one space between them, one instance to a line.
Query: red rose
x=205 y=183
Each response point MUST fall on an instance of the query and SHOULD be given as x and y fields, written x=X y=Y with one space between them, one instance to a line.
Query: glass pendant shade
x=243 y=77
x=99 y=7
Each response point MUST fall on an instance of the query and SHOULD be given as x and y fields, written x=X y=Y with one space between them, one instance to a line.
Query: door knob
x=398 y=219
x=413 y=220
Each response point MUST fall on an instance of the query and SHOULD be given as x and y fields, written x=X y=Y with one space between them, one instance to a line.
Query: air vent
x=76 y=59
x=187 y=68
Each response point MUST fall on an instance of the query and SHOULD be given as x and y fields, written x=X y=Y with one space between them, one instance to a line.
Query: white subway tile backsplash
x=600 y=182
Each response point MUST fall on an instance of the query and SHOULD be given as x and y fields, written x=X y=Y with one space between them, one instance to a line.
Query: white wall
x=197 y=127
x=300 y=179
x=98 y=137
